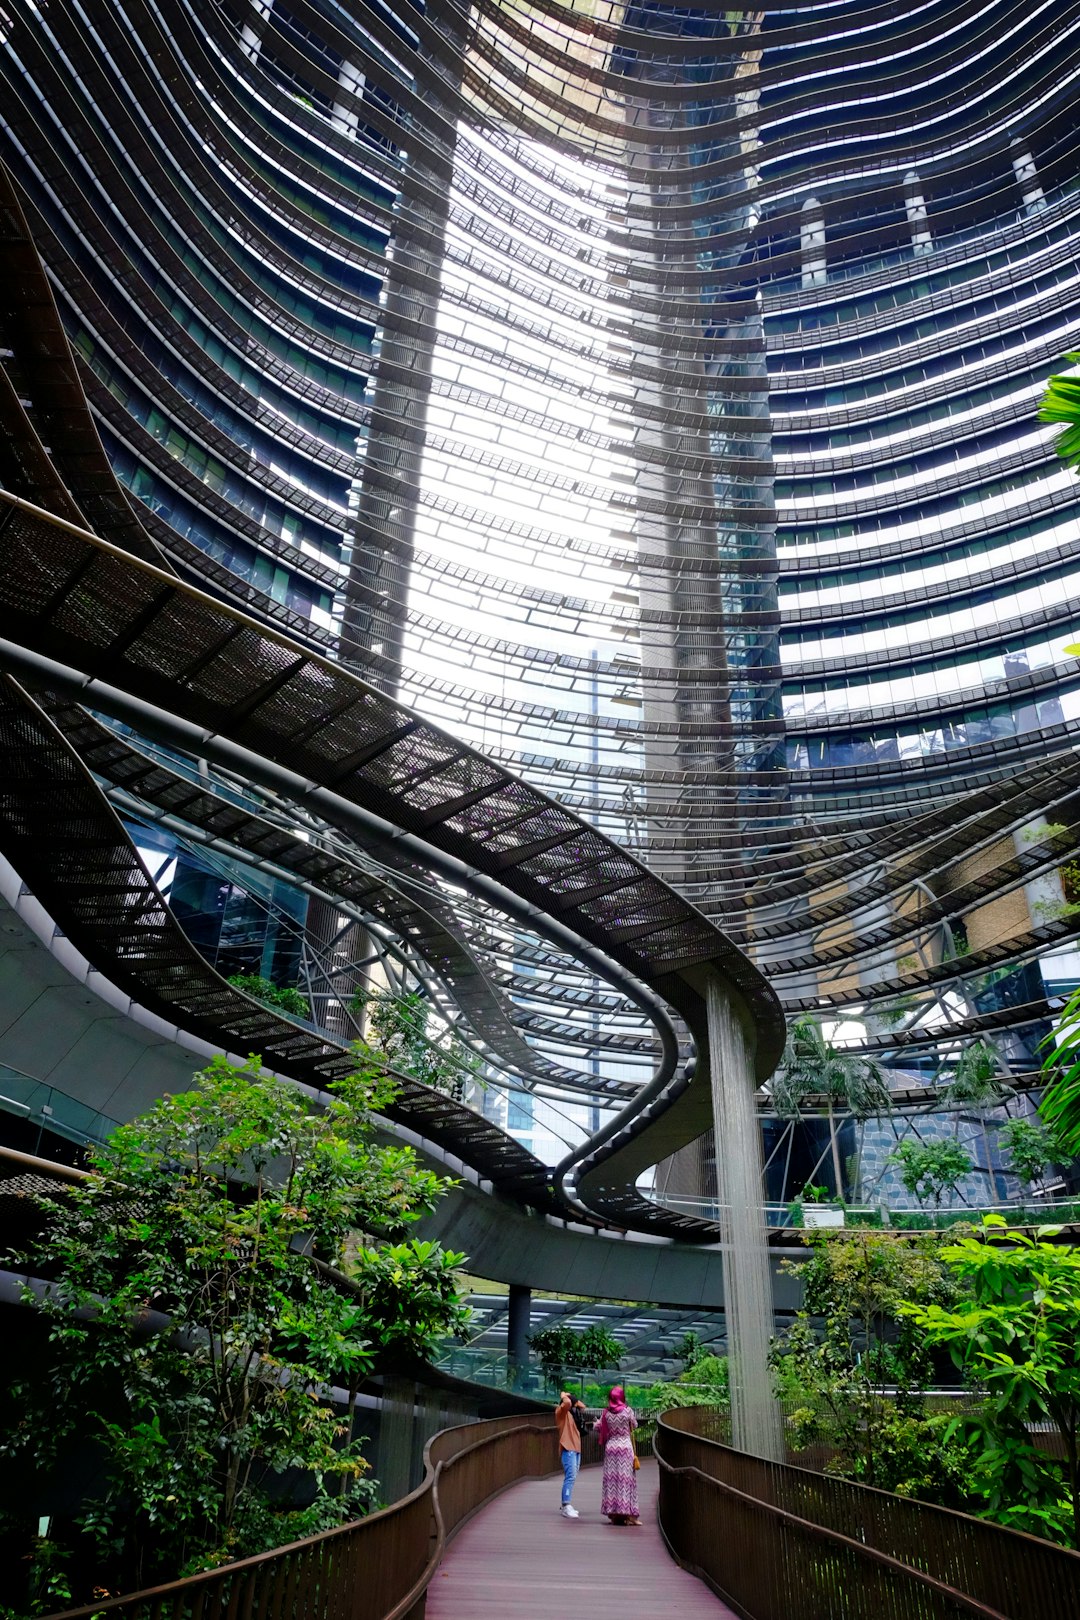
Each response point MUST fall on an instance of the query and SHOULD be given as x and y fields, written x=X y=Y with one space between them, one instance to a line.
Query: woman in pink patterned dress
x=619 y=1495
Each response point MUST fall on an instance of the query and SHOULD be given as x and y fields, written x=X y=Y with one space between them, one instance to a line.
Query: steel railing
x=832 y=1216
x=376 y=1568
x=779 y=1542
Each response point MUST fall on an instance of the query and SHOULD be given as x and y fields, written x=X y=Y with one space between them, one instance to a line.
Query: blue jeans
x=571 y=1462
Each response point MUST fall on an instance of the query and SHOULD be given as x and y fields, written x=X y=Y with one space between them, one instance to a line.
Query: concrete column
x=517 y=1326
x=915 y=204
x=1045 y=894
x=748 y=1298
x=1027 y=178
x=812 y=243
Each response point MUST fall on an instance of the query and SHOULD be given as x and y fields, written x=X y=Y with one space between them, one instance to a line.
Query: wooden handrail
x=375 y=1568
x=891 y=1569
x=774 y=1538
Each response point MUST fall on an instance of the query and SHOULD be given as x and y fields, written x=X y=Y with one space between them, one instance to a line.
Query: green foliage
x=865 y=1217
x=203 y=1311
x=1041 y=834
x=284 y=999
x=1031 y=1149
x=639 y=1396
x=1015 y=1332
x=399 y=1031
x=1061 y=404
x=689 y=1350
x=1054 y=910
x=897 y=1009
x=813 y=1194
x=48 y=1585
x=409 y=1295
x=813 y=1067
x=1060 y=1105
x=561 y=1349
x=977 y=1088
x=852 y=1370
x=976 y=1081
x=941 y=1220
x=397 y=1025
x=931 y=1169
x=705 y=1383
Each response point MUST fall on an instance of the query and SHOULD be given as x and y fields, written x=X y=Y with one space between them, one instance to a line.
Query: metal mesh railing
x=376 y=1568
x=75 y=597
x=784 y=1543
x=67 y=843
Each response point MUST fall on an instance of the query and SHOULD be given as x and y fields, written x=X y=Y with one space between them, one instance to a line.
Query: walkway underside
x=101 y=619
x=518 y=1559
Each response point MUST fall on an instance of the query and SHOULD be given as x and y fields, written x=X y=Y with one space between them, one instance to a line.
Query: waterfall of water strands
x=748 y=1299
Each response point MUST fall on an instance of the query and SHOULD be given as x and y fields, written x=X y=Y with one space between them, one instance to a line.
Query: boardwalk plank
x=519 y=1560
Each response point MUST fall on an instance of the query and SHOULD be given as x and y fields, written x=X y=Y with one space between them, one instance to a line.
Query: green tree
x=1031 y=1149
x=207 y=1303
x=283 y=998
x=399 y=1029
x=1015 y=1333
x=689 y=1350
x=561 y=1349
x=852 y=1370
x=812 y=1067
x=931 y=1169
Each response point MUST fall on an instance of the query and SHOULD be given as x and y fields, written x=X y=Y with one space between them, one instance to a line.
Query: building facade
x=648 y=397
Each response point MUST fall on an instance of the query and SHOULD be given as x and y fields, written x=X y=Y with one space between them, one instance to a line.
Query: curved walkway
x=518 y=1559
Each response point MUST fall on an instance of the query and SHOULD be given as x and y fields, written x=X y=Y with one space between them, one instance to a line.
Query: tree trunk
x=838 y=1173
x=991 y=1176
x=350 y=1419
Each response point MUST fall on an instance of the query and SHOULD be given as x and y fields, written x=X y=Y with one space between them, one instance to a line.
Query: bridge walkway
x=518 y=1559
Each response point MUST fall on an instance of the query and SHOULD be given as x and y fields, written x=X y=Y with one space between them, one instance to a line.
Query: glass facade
x=648 y=396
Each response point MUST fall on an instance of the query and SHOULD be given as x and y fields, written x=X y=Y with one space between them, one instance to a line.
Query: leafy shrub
x=1014 y=1331
x=562 y=1348
x=851 y=1370
x=931 y=1169
x=283 y=998
x=232 y=1211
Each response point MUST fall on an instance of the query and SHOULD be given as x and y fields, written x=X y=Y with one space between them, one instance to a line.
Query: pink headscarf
x=617 y=1400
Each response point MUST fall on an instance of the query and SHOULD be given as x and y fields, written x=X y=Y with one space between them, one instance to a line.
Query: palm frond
x=1060 y=1105
x=1061 y=404
x=977 y=1080
x=813 y=1067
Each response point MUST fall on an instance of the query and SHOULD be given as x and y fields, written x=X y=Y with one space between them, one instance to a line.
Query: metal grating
x=119 y=620
x=72 y=851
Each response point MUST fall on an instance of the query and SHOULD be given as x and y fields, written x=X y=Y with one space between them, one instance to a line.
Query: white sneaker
x=568 y=1511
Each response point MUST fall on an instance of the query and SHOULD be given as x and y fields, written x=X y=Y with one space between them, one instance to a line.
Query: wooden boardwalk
x=519 y=1560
